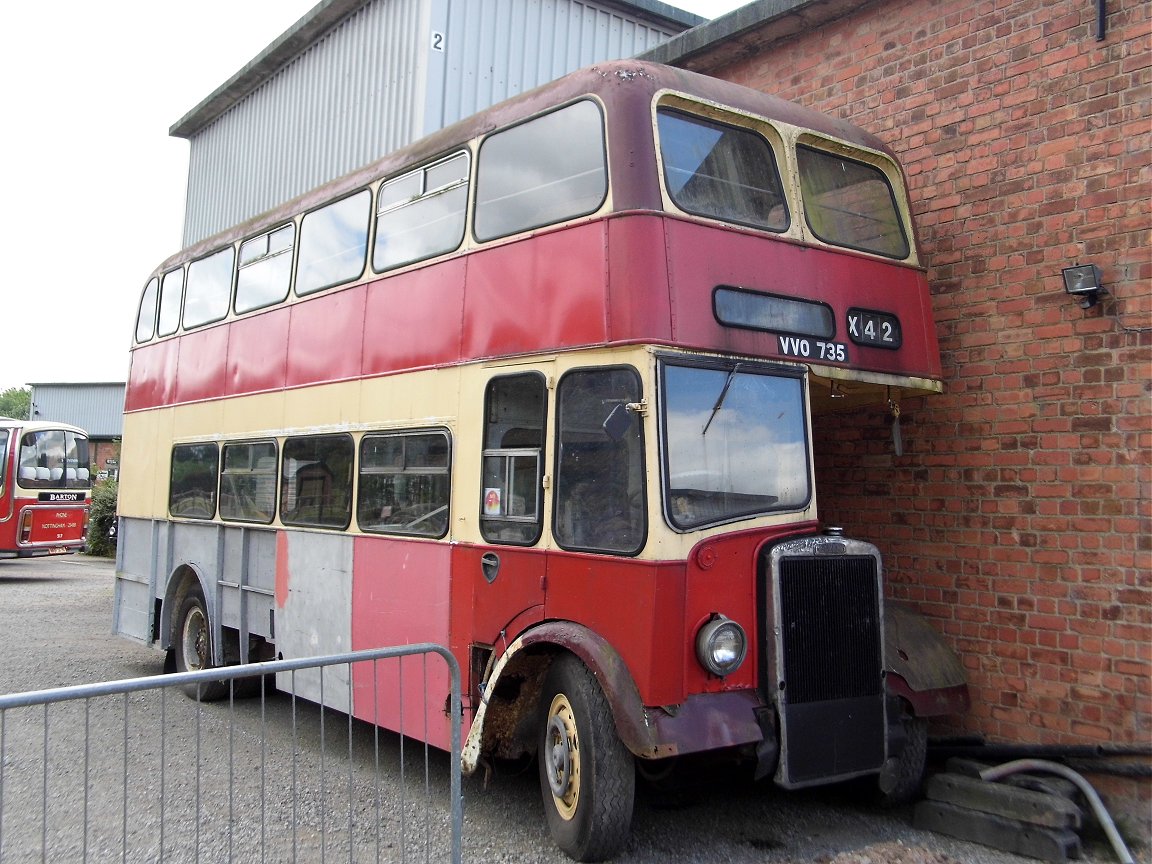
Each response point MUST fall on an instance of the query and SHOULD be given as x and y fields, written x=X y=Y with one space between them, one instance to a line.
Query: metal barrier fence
x=127 y=771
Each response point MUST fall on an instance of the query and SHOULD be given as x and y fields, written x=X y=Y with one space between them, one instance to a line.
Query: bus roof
x=623 y=84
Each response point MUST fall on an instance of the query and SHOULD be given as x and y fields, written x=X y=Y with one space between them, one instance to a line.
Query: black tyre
x=587 y=777
x=193 y=647
x=903 y=775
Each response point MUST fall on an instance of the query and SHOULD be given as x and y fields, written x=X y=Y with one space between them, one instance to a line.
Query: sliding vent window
x=421 y=214
x=333 y=243
x=510 y=506
x=722 y=172
x=265 y=269
x=248 y=482
x=404 y=484
x=850 y=203
x=541 y=172
x=209 y=290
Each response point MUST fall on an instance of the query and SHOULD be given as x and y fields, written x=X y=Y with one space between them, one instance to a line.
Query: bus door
x=599 y=521
x=507 y=572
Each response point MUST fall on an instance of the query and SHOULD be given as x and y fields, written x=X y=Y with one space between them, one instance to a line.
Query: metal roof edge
x=722 y=38
x=319 y=20
x=307 y=31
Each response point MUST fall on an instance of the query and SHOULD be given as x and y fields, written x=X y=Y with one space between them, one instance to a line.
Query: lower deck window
x=192 y=491
x=248 y=482
x=316 y=481
x=404 y=486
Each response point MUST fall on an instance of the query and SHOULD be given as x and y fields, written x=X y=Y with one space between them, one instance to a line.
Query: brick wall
x=1018 y=516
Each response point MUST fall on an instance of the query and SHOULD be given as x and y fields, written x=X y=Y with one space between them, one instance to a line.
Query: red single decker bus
x=541 y=388
x=45 y=488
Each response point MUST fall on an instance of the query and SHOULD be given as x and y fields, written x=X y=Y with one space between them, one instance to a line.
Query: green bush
x=101 y=517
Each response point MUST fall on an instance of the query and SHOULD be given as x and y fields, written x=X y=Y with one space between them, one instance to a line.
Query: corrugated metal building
x=96 y=408
x=354 y=80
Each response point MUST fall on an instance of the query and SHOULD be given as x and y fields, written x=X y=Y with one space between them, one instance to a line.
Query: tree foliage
x=101 y=517
x=16 y=402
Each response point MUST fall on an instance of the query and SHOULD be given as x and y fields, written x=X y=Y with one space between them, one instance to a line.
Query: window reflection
x=209 y=288
x=850 y=203
x=421 y=214
x=735 y=442
x=333 y=243
x=540 y=172
x=725 y=172
x=265 y=269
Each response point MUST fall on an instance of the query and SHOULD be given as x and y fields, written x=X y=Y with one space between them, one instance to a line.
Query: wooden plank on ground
x=1055 y=845
x=1001 y=799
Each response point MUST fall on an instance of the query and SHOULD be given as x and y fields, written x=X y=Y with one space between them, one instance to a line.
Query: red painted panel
x=152 y=375
x=326 y=337
x=400 y=593
x=772 y=266
x=57 y=525
x=637 y=606
x=536 y=294
x=203 y=358
x=637 y=294
x=258 y=352
x=481 y=610
x=414 y=319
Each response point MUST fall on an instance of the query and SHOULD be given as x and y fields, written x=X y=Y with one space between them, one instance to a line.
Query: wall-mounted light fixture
x=1083 y=281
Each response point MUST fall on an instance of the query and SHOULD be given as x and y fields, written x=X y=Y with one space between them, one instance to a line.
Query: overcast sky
x=93 y=186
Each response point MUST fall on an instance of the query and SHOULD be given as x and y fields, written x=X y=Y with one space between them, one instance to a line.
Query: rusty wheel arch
x=504 y=724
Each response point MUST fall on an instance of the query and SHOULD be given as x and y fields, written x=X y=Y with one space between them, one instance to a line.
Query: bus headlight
x=721 y=646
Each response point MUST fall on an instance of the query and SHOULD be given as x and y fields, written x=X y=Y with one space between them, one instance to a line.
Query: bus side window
x=192 y=487
x=316 y=481
x=146 y=318
x=333 y=243
x=510 y=505
x=600 y=463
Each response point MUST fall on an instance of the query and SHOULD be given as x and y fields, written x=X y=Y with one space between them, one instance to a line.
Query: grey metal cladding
x=388 y=73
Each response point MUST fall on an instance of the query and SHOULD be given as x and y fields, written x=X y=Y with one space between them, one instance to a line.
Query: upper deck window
x=540 y=172
x=265 y=269
x=720 y=171
x=333 y=243
x=209 y=290
x=850 y=203
x=421 y=214
x=146 y=317
x=171 y=294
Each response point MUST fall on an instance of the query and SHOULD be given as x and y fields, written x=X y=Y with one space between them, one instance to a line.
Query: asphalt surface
x=279 y=781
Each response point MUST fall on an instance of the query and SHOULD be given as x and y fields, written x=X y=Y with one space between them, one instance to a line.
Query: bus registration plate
x=813 y=349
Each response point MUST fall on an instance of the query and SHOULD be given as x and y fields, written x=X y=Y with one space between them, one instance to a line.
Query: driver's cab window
x=599 y=504
x=510 y=501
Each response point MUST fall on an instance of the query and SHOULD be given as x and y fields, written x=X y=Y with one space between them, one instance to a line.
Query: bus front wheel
x=193 y=647
x=587 y=777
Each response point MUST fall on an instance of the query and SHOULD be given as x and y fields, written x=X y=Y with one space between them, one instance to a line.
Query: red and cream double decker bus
x=45 y=488
x=541 y=388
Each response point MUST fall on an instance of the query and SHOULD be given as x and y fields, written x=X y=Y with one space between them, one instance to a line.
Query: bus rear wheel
x=587 y=777
x=193 y=647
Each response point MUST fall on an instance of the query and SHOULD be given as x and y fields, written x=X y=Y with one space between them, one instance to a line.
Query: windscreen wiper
x=721 y=397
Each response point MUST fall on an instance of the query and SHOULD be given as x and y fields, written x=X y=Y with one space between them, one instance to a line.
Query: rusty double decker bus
x=541 y=388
